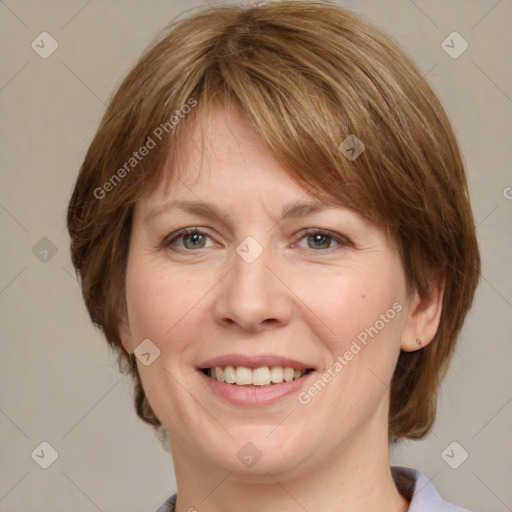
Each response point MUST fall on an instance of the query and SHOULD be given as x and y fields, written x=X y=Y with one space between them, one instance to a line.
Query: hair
x=306 y=75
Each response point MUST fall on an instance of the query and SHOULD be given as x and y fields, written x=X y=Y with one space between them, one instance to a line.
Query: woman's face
x=318 y=290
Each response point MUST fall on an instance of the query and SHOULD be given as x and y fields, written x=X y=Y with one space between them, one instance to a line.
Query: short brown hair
x=306 y=75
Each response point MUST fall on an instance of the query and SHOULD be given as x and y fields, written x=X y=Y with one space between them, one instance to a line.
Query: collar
x=420 y=491
x=411 y=483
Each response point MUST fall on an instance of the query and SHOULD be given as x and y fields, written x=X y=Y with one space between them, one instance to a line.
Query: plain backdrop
x=58 y=382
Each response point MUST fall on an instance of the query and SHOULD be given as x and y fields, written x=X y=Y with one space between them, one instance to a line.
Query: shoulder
x=422 y=493
x=168 y=506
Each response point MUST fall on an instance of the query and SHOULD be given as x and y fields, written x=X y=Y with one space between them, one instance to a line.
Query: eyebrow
x=293 y=210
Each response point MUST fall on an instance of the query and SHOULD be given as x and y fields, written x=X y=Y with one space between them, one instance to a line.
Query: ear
x=424 y=315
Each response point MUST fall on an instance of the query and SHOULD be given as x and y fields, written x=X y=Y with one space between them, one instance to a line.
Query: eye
x=191 y=238
x=322 y=239
x=195 y=238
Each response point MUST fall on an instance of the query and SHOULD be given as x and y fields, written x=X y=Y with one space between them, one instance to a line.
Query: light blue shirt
x=425 y=497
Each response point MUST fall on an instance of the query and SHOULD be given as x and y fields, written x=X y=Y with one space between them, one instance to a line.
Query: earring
x=418 y=342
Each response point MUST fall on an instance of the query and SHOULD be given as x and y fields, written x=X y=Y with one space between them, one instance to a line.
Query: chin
x=257 y=450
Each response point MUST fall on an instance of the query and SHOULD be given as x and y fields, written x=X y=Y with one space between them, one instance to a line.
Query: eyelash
x=341 y=241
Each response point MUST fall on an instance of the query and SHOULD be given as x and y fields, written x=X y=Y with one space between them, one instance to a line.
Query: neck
x=356 y=478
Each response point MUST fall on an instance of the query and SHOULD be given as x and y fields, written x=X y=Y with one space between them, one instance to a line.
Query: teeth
x=219 y=374
x=288 y=374
x=243 y=376
x=229 y=375
x=276 y=374
x=261 y=376
x=264 y=376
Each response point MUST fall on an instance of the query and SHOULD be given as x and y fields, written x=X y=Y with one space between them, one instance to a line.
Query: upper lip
x=253 y=362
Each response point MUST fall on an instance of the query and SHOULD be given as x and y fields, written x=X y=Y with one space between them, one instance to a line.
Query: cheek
x=146 y=300
x=356 y=304
x=163 y=308
x=168 y=305
x=362 y=315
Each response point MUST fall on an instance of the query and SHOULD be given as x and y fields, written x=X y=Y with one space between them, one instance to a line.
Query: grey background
x=59 y=384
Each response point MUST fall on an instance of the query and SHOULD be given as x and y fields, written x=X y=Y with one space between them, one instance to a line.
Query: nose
x=252 y=296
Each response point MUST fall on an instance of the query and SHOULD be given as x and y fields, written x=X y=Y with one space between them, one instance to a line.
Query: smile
x=254 y=381
x=263 y=376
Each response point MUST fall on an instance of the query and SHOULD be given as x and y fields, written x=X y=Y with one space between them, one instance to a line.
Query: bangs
x=301 y=115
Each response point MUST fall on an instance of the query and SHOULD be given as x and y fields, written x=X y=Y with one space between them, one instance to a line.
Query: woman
x=272 y=228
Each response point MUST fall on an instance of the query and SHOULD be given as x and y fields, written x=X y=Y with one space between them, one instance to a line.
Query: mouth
x=254 y=381
x=258 y=377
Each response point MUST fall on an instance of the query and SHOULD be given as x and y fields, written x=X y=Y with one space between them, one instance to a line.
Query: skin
x=305 y=298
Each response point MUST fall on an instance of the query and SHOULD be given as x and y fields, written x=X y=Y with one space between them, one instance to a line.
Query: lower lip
x=254 y=396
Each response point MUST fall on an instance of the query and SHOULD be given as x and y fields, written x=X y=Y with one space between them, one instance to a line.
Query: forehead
x=223 y=156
